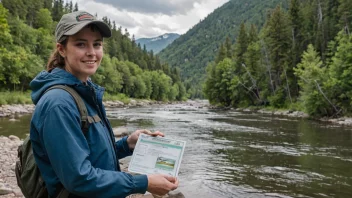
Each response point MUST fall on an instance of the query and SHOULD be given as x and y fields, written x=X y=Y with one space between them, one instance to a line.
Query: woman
x=86 y=165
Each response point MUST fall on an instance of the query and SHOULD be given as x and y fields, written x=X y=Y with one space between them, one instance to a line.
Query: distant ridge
x=158 y=43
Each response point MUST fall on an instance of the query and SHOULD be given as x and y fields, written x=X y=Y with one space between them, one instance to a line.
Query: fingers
x=158 y=133
x=173 y=182
x=175 y=185
x=145 y=131
x=170 y=178
x=154 y=134
x=176 y=181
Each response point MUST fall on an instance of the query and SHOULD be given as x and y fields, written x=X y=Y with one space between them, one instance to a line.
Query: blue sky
x=150 y=18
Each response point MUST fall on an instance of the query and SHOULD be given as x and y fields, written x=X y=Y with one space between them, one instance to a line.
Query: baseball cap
x=73 y=22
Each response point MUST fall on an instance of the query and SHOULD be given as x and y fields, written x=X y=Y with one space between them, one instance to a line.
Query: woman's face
x=83 y=53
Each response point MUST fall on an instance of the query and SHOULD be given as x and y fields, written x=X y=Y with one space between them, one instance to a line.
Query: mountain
x=158 y=43
x=198 y=47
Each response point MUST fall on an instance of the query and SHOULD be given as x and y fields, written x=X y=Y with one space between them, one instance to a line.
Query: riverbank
x=12 y=110
x=8 y=182
x=18 y=109
x=292 y=114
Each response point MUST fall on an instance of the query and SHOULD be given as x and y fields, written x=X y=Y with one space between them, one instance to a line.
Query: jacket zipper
x=111 y=142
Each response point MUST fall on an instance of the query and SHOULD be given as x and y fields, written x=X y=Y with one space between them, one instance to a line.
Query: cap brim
x=103 y=28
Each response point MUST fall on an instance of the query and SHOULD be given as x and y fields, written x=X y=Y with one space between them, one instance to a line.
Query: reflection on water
x=232 y=154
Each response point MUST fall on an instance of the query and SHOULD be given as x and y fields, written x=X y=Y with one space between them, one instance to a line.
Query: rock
x=176 y=194
x=133 y=102
x=18 y=193
x=14 y=138
x=4 y=190
x=120 y=132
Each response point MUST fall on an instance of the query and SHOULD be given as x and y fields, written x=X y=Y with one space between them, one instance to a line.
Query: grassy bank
x=8 y=98
x=15 y=98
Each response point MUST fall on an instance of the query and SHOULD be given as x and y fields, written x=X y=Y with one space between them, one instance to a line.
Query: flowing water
x=234 y=154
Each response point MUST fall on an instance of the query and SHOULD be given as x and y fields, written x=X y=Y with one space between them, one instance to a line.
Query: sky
x=151 y=18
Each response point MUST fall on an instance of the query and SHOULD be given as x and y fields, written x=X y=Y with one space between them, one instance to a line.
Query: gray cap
x=72 y=23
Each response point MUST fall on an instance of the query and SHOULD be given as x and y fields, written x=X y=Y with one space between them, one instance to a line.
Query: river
x=236 y=154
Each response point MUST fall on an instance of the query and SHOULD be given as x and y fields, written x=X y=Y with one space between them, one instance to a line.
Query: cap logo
x=85 y=16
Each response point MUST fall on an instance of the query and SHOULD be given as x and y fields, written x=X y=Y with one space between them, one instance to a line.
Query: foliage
x=311 y=74
x=340 y=74
x=296 y=61
x=117 y=97
x=26 y=41
x=197 y=48
x=15 y=98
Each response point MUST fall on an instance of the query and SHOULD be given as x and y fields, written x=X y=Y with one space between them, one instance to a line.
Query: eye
x=97 y=44
x=80 y=45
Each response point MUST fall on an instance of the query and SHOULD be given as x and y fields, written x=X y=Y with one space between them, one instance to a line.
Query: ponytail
x=56 y=60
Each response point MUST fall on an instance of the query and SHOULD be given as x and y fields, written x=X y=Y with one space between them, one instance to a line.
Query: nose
x=90 y=51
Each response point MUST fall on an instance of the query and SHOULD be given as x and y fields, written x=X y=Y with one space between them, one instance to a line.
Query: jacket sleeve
x=68 y=152
x=122 y=148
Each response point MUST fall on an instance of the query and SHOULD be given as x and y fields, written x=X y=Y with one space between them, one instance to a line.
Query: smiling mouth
x=89 y=62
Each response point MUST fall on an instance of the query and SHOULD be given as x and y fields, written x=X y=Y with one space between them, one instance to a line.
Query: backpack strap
x=85 y=119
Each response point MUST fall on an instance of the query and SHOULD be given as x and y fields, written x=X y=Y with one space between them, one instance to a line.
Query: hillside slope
x=195 y=49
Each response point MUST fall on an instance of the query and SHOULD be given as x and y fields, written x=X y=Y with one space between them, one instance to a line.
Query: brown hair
x=56 y=60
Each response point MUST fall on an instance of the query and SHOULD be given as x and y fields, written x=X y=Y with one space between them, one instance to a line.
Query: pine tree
x=278 y=39
x=76 y=7
x=228 y=47
x=221 y=54
x=253 y=34
x=48 y=4
x=311 y=74
x=241 y=45
x=297 y=28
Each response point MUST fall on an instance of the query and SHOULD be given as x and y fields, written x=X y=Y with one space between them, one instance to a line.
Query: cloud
x=167 y=7
x=122 y=18
x=151 y=18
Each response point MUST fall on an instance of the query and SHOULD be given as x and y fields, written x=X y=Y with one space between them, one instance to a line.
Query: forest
x=301 y=59
x=27 y=40
x=198 y=46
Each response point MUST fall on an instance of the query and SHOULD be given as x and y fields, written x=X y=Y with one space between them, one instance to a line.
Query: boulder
x=120 y=131
x=14 y=138
x=4 y=190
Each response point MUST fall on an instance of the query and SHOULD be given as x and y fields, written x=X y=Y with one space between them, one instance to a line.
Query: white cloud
x=177 y=16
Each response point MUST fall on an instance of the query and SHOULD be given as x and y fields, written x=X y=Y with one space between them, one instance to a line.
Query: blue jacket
x=86 y=165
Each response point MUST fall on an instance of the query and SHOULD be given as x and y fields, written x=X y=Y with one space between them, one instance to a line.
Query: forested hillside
x=198 y=47
x=26 y=42
x=301 y=59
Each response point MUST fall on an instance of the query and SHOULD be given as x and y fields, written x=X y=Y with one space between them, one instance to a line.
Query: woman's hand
x=161 y=184
x=132 y=139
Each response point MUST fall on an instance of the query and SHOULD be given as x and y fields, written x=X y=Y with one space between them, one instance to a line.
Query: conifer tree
x=241 y=45
x=297 y=27
x=278 y=39
x=76 y=7
x=221 y=54
x=311 y=74
x=228 y=47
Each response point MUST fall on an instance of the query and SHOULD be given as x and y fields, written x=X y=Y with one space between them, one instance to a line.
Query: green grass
x=8 y=98
x=120 y=97
x=15 y=98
